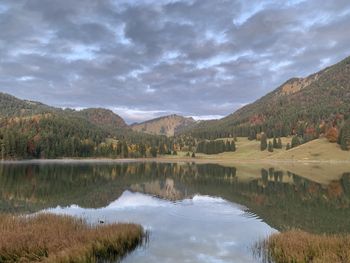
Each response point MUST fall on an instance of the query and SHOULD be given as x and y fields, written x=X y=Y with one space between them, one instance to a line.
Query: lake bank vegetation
x=297 y=246
x=54 y=238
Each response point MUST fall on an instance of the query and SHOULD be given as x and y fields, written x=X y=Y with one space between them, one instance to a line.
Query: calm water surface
x=194 y=213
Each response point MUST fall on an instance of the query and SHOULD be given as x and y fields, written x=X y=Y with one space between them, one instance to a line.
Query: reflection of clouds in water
x=202 y=229
x=134 y=200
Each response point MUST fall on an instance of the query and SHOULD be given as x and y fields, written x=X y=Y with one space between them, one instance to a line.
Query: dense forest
x=215 y=146
x=34 y=130
x=306 y=108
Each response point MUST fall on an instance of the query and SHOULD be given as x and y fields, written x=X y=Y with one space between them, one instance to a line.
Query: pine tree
x=233 y=146
x=275 y=145
x=228 y=146
x=343 y=144
x=125 y=150
x=279 y=144
x=295 y=141
x=345 y=136
x=153 y=151
x=270 y=147
x=252 y=135
x=142 y=150
x=2 y=148
x=263 y=142
x=193 y=155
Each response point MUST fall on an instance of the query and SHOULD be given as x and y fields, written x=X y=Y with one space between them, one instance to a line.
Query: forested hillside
x=34 y=130
x=103 y=117
x=11 y=106
x=305 y=107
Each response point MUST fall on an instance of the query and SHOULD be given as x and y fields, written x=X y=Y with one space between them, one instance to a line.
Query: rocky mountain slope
x=167 y=125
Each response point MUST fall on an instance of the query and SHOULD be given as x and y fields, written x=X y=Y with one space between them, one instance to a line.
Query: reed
x=297 y=246
x=54 y=238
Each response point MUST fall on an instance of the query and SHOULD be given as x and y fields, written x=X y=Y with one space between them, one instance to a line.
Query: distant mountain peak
x=166 y=125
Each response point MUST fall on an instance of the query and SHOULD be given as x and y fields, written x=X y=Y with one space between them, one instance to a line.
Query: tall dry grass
x=53 y=238
x=296 y=246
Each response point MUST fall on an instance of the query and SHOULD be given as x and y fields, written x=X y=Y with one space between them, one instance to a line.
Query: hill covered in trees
x=103 y=117
x=11 y=106
x=305 y=107
x=34 y=130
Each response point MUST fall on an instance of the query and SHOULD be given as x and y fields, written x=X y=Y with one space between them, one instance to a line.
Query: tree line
x=56 y=136
x=215 y=146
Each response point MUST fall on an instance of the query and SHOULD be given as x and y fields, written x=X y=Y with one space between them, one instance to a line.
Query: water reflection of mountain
x=281 y=198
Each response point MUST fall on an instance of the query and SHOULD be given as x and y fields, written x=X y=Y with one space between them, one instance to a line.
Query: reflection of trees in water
x=281 y=198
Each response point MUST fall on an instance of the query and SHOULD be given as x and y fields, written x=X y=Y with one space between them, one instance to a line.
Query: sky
x=149 y=58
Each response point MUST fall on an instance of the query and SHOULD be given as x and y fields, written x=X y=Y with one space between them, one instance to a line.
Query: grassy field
x=53 y=238
x=317 y=150
x=301 y=247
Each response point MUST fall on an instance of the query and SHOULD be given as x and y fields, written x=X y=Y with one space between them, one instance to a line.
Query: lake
x=193 y=212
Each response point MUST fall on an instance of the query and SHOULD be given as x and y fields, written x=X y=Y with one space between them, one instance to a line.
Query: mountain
x=11 y=106
x=167 y=125
x=103 y=117
x=298 y=106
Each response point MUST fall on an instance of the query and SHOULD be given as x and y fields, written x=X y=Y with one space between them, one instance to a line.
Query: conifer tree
x=279 y=143
x=343 y=144
x=142 y=150
x=344 y=136
x=275 y=145
x=263 y=142
x=227 y=146
x=295 y=141
x=270 y=147
x=153 y=151
x=233 y=146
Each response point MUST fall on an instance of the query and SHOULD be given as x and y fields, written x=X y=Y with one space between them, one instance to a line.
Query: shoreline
x=162 y=159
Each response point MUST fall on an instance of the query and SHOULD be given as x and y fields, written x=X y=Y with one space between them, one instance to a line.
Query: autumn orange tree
x=332 y=134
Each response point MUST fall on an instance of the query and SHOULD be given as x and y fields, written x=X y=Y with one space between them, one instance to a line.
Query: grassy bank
x=301 y=247
x=53 y=238
x=319 y=150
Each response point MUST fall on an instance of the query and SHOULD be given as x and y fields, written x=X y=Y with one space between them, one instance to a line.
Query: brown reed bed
x=297 y=246
x=54 y=238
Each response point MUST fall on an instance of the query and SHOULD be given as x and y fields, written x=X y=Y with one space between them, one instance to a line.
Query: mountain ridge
x=11 y=106
x=167 y=125
x=298 y=105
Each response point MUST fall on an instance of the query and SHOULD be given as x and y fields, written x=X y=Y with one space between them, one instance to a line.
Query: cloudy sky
x=147 y=58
